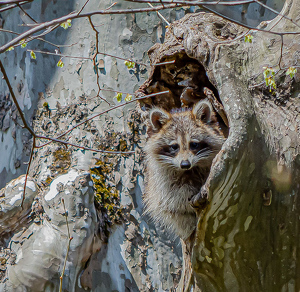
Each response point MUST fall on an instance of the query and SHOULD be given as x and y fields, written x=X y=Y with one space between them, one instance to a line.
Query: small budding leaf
x=46 y=105
x=248 y=38
x=291 y=71
x=118 y=96
x=10 y=49
x=269 y=74
x=60 y=63
x=129 y=64
x=270 y=82
x=23 y=44
x=66 y=24
x=128 y=97
x=32 y=55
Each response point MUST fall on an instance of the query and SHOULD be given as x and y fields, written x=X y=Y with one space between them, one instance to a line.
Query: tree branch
x=27 y=171
x=26 y=13
x=13 y=2
x=14 y=5
x=74 y=15
x=194 y=3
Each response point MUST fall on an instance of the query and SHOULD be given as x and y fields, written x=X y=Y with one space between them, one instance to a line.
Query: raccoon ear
x=203 y=111
x=158 y=118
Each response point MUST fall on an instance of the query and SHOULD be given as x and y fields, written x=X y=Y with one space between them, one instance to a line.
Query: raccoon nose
x=185 y=164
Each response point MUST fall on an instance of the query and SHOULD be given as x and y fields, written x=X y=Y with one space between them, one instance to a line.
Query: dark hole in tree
x=186 y=82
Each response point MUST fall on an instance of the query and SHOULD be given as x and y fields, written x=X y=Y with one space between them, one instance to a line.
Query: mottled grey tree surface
x=114 y=247
x=247 y=233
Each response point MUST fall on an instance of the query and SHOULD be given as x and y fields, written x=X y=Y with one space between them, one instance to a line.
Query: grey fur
x=169 y=187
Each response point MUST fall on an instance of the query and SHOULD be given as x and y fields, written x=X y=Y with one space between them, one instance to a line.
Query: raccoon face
x=186 y=139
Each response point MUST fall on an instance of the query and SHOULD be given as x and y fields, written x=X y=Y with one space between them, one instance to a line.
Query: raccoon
x=179 y=154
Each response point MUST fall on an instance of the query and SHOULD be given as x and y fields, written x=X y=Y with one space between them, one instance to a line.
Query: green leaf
x=269 y=75
x=32 y=55
x=248 y=38
x=291 y=71
x=23 y=44
x=60 y=63
x=10 y=49
x=66 y=24
x=129 y=64
x=128 y=97
x=118 y=96
x=46 y=105
x=270 y=82
x=268 y=72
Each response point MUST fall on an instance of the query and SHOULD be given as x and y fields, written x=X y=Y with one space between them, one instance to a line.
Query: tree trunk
x=247 y=237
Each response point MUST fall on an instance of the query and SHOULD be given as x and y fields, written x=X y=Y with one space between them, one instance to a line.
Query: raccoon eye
x=198 y=145
x=169 y=150
x=174 y=147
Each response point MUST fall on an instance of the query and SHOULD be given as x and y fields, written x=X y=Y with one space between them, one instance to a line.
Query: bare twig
x=27 y=171
x=58 y=21
x=95 y=57
x=86 y=148
x=112 y=5
x=124 y=59
x=13 y=6
x=26 y=125
x=164 y=63
x=86 y=2
x=26 y=13
x=40 y=39
x=112 y=90
x=48 y=30
x=13 y=2
x=99 y=53
x=101 y=113
x=159 y=14
x=68 y=248
x=193 y=3
x=61 y=55
x=281 y=52
x=276 y=12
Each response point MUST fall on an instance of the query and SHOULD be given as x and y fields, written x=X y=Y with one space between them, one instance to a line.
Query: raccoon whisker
x=165 y=158
x=202 y=150
x=167 y=163
x=170 y=167
x=204 y=154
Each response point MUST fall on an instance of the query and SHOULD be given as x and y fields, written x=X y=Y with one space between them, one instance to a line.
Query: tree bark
x=247 y=238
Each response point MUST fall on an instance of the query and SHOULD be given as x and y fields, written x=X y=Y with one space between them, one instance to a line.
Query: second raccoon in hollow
x=179 y=155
